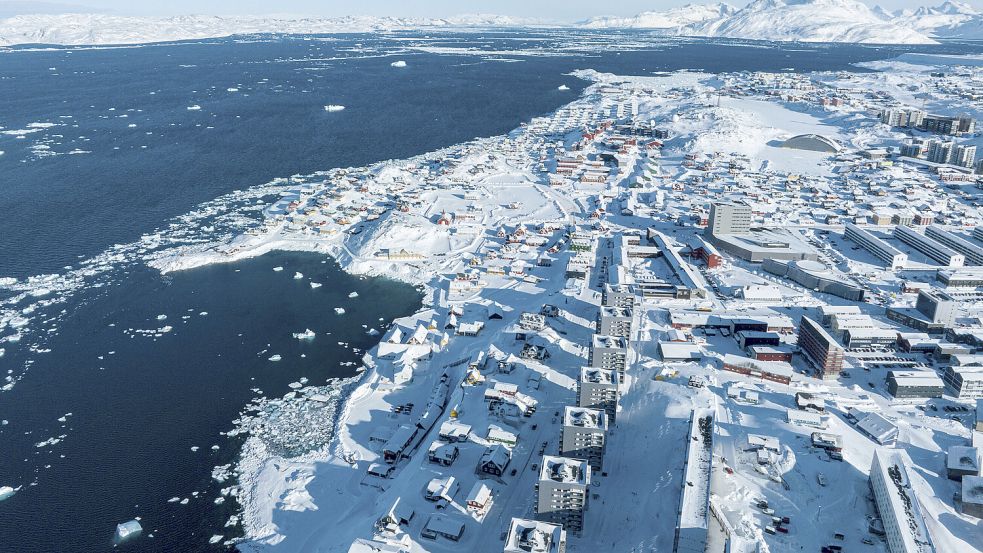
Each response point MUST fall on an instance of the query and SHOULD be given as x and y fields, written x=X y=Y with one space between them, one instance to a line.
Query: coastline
x=262 y=475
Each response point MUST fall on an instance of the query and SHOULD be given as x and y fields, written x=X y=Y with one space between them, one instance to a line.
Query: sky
x=556 y=10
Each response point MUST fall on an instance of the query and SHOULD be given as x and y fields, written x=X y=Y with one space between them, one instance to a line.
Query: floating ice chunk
x=372 y=332
x=276 y=357
x=277 y=269
x=165 y=329
x=6 y=492
x=161 y=317
x=217 y=537
x=333 y=107
x=339 y=310
x=128 y=529
x=563 y=87
x=215 y=448
x=298 y=275
x=219 y=500
x=295 y=385
x=194 y=107
x=184 y=501
x=232 y=89
x=353 y=295
x=174 y=500
x=203 y=313
x=195 y=448
x=305 y=335
x=399 y=63
x=315 y=285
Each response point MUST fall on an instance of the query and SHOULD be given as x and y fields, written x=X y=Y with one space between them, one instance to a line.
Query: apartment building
x=598 y=389
x=563 y=491
x=584 y=435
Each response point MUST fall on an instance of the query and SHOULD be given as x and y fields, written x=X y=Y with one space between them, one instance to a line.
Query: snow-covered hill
x=676 y=19
x=811 y=21
x=785 y=20
x=948 y=20
x=109 y=29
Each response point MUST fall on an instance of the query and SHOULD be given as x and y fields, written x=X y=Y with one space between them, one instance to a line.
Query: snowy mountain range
x=78 y=29
x=779 y=20
x=785 y=20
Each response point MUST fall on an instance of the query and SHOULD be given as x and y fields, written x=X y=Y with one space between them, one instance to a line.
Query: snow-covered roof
x=533 y=536
x=960 y=457
x=878 y=428
x=584 y=417
x=972 y=490
x=566 y=470
x=900 y=499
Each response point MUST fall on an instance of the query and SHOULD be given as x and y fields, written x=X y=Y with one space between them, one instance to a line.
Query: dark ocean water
x=137 y=412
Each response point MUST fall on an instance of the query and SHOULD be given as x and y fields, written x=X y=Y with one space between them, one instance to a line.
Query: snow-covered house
x=441 y=489
x=400 y=514
x=443 y=453
x=480 y=497
x=452 y=431
x=495 y=460
x=445 y=526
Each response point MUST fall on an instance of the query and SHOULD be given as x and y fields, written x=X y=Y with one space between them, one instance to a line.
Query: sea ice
x=195 y=107
x=315 y=285
x=128 y=529
x=307 y=334
x=563 y=87
x=161 y=317
x=333 y=107
x=339 y=310
x=7 y=492
x=276 y=357
x=399 y=63
x=298 y=276
x=216 y=538
x=277 y=269
x=353 y=295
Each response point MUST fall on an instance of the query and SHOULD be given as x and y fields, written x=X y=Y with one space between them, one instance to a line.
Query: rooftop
x=565 y=470
x=611 y=342
x=584 y=417
x=598 y=376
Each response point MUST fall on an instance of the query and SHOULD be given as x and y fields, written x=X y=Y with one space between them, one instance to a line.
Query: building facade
x=821 y=348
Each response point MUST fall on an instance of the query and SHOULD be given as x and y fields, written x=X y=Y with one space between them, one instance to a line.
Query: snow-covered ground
x=545 y=215
x=472 y=223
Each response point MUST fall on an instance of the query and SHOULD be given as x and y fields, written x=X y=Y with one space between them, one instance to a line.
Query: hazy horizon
x=553 y=10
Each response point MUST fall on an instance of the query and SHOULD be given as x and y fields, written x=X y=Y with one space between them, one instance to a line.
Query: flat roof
x=565 y=470
x=585 y=417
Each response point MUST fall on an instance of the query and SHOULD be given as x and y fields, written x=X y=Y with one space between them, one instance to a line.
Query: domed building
x=813 y=143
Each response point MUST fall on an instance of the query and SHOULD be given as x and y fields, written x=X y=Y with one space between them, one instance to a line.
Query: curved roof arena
x=812 y=142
